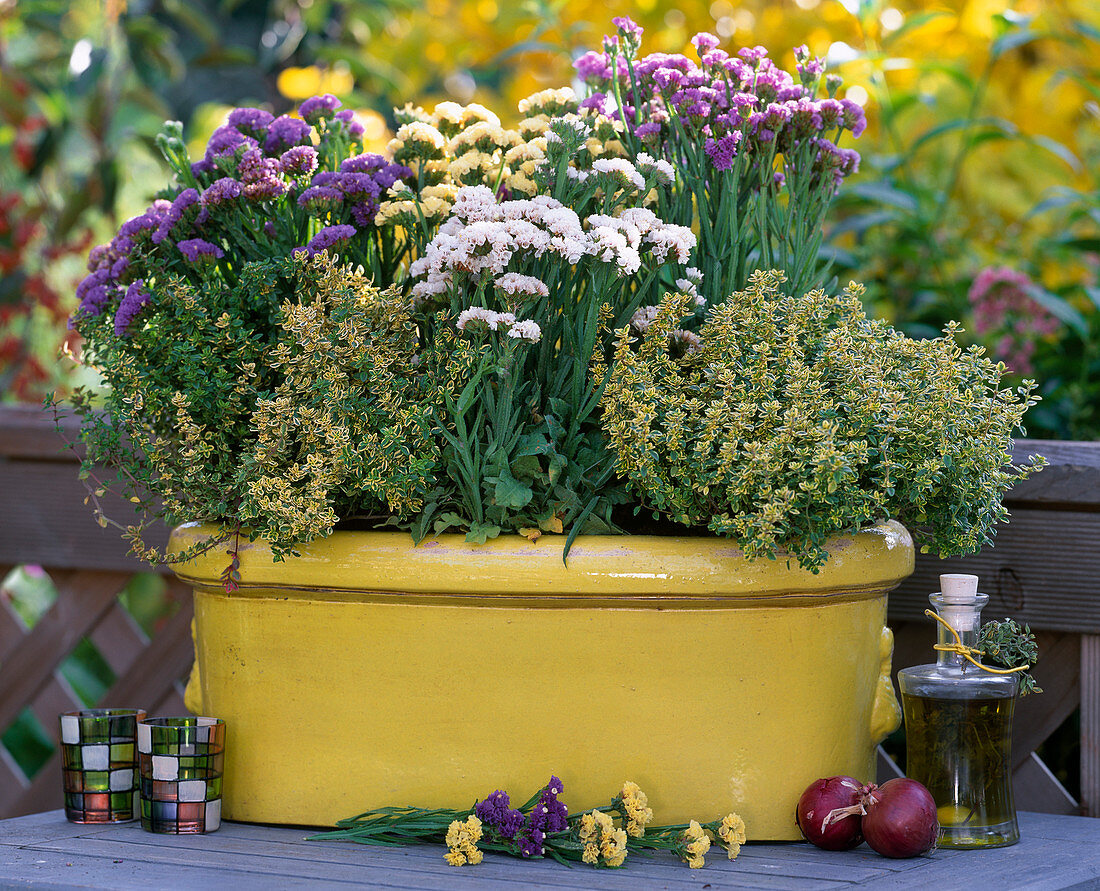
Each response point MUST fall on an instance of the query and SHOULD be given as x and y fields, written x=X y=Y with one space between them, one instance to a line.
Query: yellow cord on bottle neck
x=968 y=653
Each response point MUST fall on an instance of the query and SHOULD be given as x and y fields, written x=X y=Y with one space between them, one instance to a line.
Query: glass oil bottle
x=958 y=727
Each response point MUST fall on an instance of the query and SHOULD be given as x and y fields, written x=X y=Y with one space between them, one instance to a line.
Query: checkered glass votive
x=180 y=762
x=98 y=764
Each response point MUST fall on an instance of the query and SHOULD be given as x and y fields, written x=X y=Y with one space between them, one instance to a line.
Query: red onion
x=900 y=819
x=828 y=813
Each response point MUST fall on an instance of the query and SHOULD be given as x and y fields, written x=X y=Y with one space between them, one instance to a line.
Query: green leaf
x=481 y=532
x=509 y=492
x=1012 y=40
x=1059 y=308
x=884 y=193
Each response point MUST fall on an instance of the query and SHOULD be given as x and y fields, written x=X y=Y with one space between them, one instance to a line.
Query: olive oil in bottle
x=958 y=729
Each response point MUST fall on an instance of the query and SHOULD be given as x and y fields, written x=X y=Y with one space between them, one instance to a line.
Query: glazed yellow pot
x=369 y=672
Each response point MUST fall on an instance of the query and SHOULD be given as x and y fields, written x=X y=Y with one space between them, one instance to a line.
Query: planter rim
x=701 y=569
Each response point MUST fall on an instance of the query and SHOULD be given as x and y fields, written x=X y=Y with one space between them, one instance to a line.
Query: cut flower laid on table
x=551 y=328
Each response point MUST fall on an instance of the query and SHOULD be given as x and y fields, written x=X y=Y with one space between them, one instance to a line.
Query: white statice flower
x=433 y=286
x=399 y=189
x=576 y=174
x=482 y=245
x=502 y=320
x=694 y=274
x=620 y=171
x=688 y=341
x=669 y=237
x=610 y=245
x=528 y=330
x=630 y=232
x=476 y=314
x=643 y=317
x=514 y=283
x=476 y=204
x=686 y=286
x=641 y=218
x=528 y=237
x=666 y=173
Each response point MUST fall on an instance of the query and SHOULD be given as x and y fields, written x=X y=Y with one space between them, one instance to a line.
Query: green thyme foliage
x=1007 y=644
x=797 y=418
x=283 y=401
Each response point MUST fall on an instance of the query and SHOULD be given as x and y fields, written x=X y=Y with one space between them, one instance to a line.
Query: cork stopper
x=959 y=588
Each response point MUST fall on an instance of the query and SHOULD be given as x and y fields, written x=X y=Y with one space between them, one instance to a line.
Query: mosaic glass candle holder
x=98 y=764
x=180 y=763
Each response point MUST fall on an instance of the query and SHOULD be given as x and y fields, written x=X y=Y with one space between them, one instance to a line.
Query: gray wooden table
x=44 y=851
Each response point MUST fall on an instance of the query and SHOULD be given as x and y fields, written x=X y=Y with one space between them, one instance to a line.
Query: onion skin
x=820 y=799
x=901 y=819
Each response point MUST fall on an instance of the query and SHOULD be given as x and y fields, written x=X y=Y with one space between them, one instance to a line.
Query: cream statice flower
x=462 y=839
x=549 y=102
x=694 y=844
x=633 y=804
x=732 y=834
x=597 y=832
x=514 y=283
x=416 y=140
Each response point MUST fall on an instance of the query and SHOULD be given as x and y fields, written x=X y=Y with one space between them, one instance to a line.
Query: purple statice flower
x=385 y=172
x=299 y=161
x=202 y=168
x=254 y=167
x=135 y=298
x=319 y=108
x=195 y=250
x=179 y=204
x=593 y=68
x=99 y=256
x=629 y=30
x=225 y=141
x=365 y=163
x=319 y=196
x=250 y=121
x=496 y=812
x=328 y=237
x=269 y=229
x=364 y=214
x=648 y=132
x=549 y=814
x=723 y=150
x=753 y=55
x=854 y=117
x=831 y=112
x=809 y=69
x=610 y=44
x=353 y=127
x=714 y=60
x=98 y=278
x=119 y=267
x=220 y=191
x=265 y=189
x=530 y=843
x=668 y=79
x=597 y=102
x=286 y=132
x=704 y=42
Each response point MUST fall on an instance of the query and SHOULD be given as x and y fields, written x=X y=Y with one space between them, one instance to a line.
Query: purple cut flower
x=96 y=279
x=723 y=150
x=99 y=256
x=831 y=112
x=318 y=108
x=753 y=55
x=597 y=102
x=497 y=813
x=202 y=168
x=854 y=117
x=364 y=214
x=299 y=161
x=265 y=189
x=221 y=191
x=119 y=267
x=328 y=237
x=593 y=67
x=254 y=167
x=648 y=132
x=549 y=814
x=530 y=843
x=136 y=297
x=250 y=121
x=198 y=251
x=365 y=163
x=286 y=132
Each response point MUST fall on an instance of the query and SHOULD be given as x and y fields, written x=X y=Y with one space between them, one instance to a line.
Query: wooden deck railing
x=1044 y=571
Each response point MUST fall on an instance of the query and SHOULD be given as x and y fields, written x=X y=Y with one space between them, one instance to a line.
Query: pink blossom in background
x=1002 y=306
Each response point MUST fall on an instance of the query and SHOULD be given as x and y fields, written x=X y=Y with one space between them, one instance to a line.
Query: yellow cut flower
x=635 y=806
x=462 y=839
x=695 y=844
x=732 y=834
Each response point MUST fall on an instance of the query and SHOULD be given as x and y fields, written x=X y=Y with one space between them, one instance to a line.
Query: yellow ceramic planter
x=369 y=672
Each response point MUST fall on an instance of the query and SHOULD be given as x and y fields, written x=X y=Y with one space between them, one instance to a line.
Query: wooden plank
x=43 y=519
x=1019 y=575
x=82 y=598
x=1033 y=782
x=12 y=627
x=1037 y=717
x=29 y=431
x=168 y=658
x=1090 y=724
x=1071 y=478
x=118 y=639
